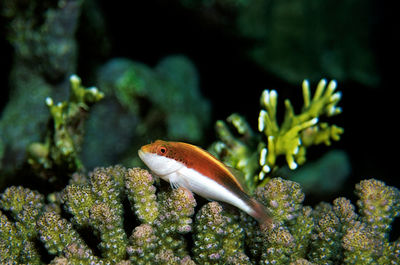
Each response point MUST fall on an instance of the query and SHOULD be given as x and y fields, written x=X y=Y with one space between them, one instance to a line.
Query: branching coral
x=60 y=149
x=297 y=132
x=17 y=239
x=240 y=152
x=161 y=227
x=44 y=55
x=291 y=138
x=164 y=225
x=218 y=238
x=97 y=205
x=367 y=240
x=329 y=234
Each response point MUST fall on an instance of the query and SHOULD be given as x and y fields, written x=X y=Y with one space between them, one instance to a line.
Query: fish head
x=158 y=157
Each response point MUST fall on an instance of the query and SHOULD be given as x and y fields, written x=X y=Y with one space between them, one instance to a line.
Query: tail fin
x=261 y=214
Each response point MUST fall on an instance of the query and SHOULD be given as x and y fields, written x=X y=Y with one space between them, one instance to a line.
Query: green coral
x=96 y=204
x=60 y=150
x=379 y=205
x=329 y=234
x=60 y=238
x=297 y=132
x=144 y=103
x=42 y=34
x=143 y=244
x=164 y=220
x=163 y=227
x=324 y=248
x=218 y=239
x=142 y=195
x=239 y=150
x=17 y=238
x=288 y=239
x=367 y=240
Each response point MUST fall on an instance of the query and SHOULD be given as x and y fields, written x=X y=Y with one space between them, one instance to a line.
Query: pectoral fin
x=174 y=185
x=177 y=180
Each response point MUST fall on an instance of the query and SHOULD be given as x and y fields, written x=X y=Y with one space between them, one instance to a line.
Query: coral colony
x=255 y=155
x=118 y=215
x=168 y=230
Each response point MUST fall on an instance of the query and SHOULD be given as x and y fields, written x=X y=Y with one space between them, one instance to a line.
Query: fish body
x=189 y=166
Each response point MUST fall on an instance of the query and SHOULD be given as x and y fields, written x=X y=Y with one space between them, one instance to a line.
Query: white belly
x=207 y=188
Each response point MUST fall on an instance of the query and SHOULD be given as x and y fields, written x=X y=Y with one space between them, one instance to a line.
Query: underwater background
x=130 y=72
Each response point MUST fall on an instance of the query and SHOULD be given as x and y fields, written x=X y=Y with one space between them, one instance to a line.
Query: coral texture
x=60 y=150
x=42 y=34
x=256 y=155
x=162 y=227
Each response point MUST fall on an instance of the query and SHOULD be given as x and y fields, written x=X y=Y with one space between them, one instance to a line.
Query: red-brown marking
x=198 y=159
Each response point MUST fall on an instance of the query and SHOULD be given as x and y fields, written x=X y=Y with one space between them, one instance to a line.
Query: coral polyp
x=168 y=230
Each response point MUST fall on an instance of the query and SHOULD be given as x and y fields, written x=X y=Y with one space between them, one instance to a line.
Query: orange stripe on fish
x=189 y=166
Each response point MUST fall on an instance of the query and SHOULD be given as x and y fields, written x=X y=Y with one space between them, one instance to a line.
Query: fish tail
x=261 y=214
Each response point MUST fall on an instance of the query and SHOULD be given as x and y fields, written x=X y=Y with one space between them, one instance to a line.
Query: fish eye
x=162 y=150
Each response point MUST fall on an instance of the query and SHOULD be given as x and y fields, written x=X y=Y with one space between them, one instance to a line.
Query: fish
x=191 y=167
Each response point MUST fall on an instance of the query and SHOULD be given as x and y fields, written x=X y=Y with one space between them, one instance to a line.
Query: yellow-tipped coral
x=59 y=152
x=256 y=155
x=297 y=132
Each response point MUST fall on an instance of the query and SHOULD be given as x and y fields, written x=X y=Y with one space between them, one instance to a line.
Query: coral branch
x=328 y=234
x=257 y=154
x=218 y=237
x=298 y=131
x=141 y=194
x=60 y=150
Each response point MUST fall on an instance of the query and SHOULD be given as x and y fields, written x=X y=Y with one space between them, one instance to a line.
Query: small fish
x=189 y=166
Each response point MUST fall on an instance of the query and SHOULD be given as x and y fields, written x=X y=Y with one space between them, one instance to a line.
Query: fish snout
x=141 y=153
x=146 y=148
